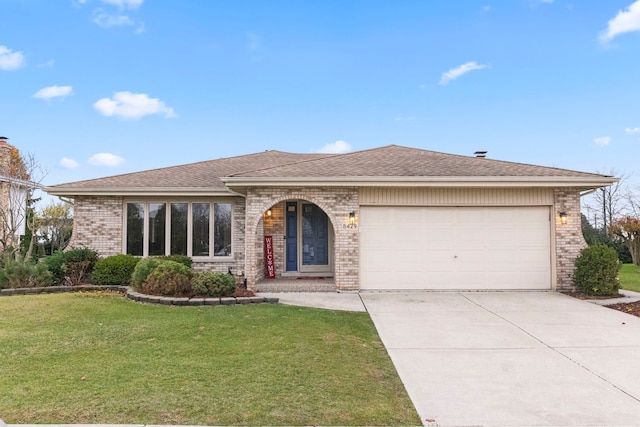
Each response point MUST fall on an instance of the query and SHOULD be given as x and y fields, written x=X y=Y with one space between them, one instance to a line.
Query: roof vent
x=481 y=154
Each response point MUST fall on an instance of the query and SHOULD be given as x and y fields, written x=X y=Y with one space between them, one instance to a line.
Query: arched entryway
x=295 y=241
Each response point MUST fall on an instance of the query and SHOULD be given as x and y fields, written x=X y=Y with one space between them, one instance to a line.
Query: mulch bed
x=632 y=308
x=580 y=295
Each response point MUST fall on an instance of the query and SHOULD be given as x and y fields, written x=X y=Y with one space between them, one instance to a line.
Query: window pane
x=222 y=224
x=201 y=217
x=179 y=228
x=157 y=225
x=135 y=227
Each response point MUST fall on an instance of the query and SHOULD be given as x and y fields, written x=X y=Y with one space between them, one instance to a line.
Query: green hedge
x=115 y=270
x=597 y=271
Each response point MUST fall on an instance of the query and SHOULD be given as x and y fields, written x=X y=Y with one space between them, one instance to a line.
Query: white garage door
x=455 y=248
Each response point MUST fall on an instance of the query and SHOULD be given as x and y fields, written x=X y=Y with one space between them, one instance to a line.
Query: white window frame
x=145 y=227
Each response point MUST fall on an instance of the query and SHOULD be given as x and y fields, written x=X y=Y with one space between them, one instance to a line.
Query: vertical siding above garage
x=375 y=196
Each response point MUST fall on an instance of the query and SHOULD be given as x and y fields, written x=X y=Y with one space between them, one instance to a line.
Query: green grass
x=630 y=277
x=242 y=365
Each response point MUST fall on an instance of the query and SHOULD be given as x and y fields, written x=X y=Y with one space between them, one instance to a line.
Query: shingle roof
x=398 y=161
x=204 y=174
x=385 y=163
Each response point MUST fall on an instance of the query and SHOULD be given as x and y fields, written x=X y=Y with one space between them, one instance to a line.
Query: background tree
x=608 y=203
x=597 y=236
x=55 y=225
x=628 y=229
x=20 y=176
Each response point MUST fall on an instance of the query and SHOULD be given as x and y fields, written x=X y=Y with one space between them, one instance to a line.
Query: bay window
x=197 y=229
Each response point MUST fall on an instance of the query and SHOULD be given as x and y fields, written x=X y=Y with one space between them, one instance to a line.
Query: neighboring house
x=15 y=188
x=386 y=218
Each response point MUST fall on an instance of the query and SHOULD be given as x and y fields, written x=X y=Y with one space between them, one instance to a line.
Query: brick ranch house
x=386 y=218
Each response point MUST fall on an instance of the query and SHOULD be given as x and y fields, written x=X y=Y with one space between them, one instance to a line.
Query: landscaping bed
x=629 y=307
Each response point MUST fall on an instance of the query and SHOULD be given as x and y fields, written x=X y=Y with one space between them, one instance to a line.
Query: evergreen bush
x=169 y=278
x=597 y=271
x=114 y=270
x=143 y=268
x=20 y=273
x=213 y=284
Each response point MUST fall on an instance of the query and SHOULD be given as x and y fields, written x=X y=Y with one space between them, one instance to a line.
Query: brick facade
x=99 y=224
x=569 y=240
x=337 y=203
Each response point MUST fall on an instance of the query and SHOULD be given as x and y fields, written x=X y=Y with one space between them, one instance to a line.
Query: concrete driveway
x=512 y=358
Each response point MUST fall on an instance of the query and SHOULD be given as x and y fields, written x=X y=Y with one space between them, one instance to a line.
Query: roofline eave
x=139 y=191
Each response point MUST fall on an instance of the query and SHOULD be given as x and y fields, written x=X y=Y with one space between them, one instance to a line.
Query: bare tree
x=608 y=203
x=55 y=224
x=628 y=229
x=20 y=176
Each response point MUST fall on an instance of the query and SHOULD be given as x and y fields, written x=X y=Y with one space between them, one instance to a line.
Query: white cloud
x=337 y=147
x=632 y=131
x=105 y=159
x=53 y=92
x=625 y=21
x=50 y=63
x=105 y=20
x=602 y=141
x=66 y=162
x=125 y=4
x=454 y=73
x=10 y=60
x=129 y=105
x=486 y=8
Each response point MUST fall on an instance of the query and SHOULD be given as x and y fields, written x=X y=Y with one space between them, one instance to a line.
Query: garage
x=451 y=248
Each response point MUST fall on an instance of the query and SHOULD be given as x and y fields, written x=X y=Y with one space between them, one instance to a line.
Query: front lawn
x=99 y=358
x=630 y=277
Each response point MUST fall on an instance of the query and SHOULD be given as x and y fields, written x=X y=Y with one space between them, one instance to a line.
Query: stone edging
x=136 y=296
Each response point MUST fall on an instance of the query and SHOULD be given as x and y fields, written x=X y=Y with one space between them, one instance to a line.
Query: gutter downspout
x=67 y=201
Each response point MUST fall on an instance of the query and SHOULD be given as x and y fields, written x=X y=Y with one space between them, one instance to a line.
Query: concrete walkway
x=512 y=358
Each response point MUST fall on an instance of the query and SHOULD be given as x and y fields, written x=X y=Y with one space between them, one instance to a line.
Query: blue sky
x=100 y=87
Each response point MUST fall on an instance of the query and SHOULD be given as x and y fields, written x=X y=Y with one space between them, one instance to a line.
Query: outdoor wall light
x=352 y=218
x=268 y=212
x=563 y=217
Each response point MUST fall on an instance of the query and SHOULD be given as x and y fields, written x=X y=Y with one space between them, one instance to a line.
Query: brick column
x=569 y=238
x=335 y=202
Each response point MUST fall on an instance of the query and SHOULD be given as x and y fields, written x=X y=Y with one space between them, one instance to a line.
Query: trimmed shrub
x=114 y=270
x=72 y=267
x=18 y=273
x=597 y=271
x=143 y=268
x=182 y=259
x=213 y=284
x=169 y=278
x=56 y=265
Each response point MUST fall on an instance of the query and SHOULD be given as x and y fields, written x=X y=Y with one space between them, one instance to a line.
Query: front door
x=291 y=226
x=308 y=238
